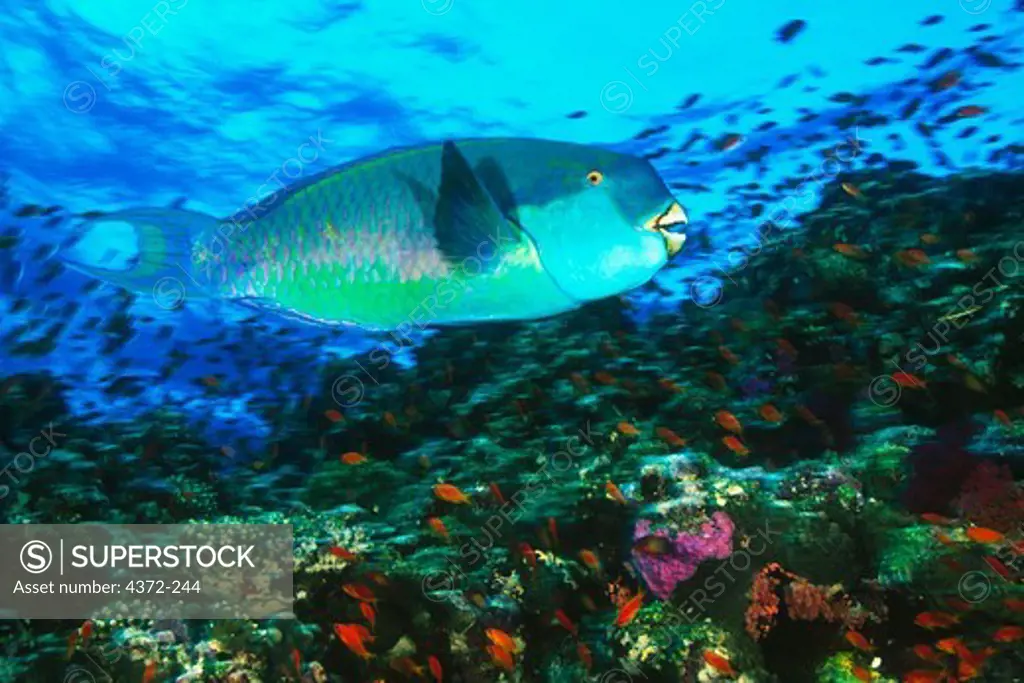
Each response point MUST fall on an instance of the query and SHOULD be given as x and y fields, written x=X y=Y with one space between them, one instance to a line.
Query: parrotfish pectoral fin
x=166 y=245
x=467 y=221
x=494 y=180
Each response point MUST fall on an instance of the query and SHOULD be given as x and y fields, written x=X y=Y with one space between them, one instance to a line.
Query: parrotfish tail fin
x=171 y=256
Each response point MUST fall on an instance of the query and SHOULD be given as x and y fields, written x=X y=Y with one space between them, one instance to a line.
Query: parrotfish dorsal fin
x=467 y=221
x=494 y=180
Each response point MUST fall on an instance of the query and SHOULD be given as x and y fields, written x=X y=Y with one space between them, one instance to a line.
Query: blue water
x=122 y=103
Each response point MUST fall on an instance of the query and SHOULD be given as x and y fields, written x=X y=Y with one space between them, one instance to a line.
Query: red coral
x=805 y=601
x=764 y=601
x=991 y=498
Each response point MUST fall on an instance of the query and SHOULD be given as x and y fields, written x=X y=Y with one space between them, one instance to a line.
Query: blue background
x=118 y=103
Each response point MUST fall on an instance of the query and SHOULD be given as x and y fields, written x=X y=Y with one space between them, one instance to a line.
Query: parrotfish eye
x=595 y=178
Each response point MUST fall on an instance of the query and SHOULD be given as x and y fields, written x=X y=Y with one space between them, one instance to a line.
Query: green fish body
x=451 y=233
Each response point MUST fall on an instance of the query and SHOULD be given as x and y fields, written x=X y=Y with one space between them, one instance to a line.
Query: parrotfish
x=451 y=233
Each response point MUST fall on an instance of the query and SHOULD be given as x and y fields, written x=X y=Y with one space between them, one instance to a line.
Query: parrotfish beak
x=664 y=222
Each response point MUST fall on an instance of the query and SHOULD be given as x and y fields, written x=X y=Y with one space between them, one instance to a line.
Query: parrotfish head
x=603 y=222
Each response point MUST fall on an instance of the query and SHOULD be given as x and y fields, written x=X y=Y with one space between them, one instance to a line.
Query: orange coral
x=804 y=601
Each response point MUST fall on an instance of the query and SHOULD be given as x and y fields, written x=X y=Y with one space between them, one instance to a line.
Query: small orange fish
x=998 y=567
x=297 y=661
x=627 y=428
x=342 y=553
x=1003 y=417
x=72 y=642
x=908 y=381
x=435 y=668
x=450 y=494
x=149 y=673
x=210 y=381
x=970 y=111
x=502 y=639
x=844 y=313
x=334 y=416
x=861 y=674
x=501 y=657
x=590 y=560
x=438 y=527
x=912 y=258
x=852 y=190
x=669 y=385
x=715 y=381
x=353 y=458
x=953 y=563
x=406 y=666
x=851 y=250
x=730 y=141
x=629 y=610
x=807 y=416
x=1008 y=634
x=86 y=632
x=566 y=622
x=389 y=419
x=974 y=384
x=670 y=437
x=924 y=676
x=949 y=645
x=496 y=492
x=354 y=637
x=858 y=641
x=728 y=422
x=553 y=531
x=580 y=382
x=970 y=663
x=966 y=255
x=528 y=554
x=933 y=518
x=947 y=81
x=728 y=355
x=378 y=578
x=786 y=347
x=612 y=491
x=719 y=663
x=958 y=604
x=770 y=413
x=584 y=653
x=736 y=446
x=602 y=377
x=929 y=238
x=927 y=653
x=1014 y=604
x=369 y=614
x=359 y=592
x=933 y=620
x=980 y=534
x=955 y=361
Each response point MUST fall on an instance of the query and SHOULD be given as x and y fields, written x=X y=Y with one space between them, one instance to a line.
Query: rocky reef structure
x=830 y=457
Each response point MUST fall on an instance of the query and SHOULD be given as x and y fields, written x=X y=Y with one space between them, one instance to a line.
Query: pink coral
x=687 y=550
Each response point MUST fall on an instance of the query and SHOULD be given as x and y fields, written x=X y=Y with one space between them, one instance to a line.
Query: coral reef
x=799 y=469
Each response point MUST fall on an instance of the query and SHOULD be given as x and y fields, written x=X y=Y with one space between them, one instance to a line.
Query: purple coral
x=688 y=550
